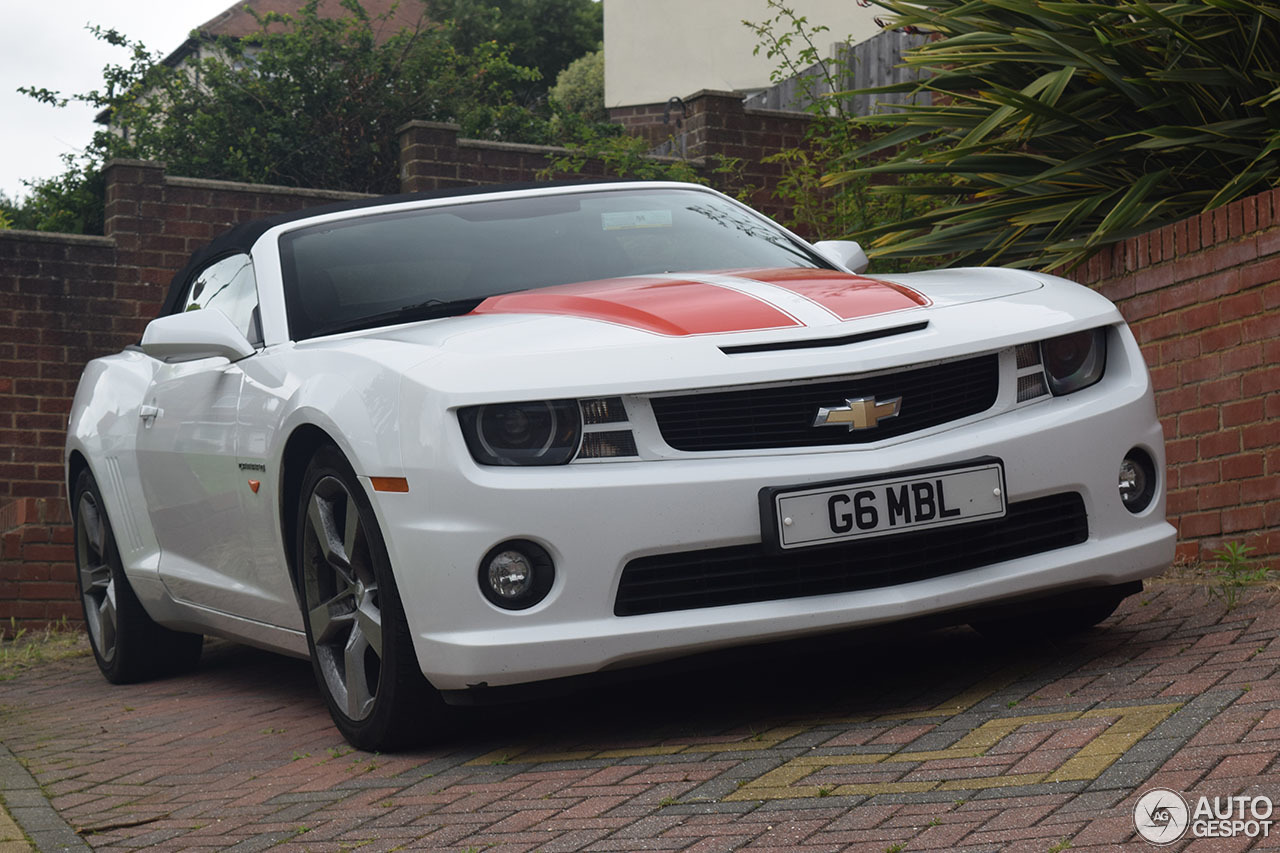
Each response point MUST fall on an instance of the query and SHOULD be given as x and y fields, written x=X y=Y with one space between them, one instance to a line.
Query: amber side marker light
x=389 y=484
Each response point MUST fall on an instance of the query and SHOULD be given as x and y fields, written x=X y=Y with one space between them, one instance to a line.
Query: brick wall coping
x=265 y=189
x=56 y=237
x=139 y=164
x=1241 y=220
x=720 y=93
x=782 y=114
x=549 y=150
x=713 y=93
x=428 y=125
x=522 y=147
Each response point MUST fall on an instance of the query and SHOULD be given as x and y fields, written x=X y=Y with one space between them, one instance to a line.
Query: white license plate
x=836 y=512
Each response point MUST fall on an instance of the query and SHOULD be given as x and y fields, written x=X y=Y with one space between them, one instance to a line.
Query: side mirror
x=844 y=253
x=206 y=333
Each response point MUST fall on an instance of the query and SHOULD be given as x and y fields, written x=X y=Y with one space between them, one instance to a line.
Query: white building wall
x=658 y=49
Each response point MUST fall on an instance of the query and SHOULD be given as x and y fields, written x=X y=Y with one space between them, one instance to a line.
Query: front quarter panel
x=345 y=390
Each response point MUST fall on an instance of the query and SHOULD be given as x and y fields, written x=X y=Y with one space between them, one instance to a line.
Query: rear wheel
x=357 y=634
x=127 y=644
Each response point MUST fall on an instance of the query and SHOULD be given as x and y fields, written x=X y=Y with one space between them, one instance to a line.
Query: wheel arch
x=76 y=463
x=300 y=447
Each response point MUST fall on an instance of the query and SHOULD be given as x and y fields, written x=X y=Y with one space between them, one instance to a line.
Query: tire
x=1056 y=617
x=357 y=634
x=127 y=643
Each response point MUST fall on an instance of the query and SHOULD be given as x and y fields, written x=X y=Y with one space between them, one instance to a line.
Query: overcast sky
x=45 y=43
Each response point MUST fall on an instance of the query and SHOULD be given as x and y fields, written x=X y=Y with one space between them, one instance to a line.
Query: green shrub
x=1070 y=125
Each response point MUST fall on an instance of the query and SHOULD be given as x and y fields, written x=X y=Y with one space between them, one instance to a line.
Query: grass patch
x=1224 y=577
x=24 y=649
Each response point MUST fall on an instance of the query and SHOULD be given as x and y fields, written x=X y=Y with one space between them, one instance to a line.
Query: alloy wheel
x=97 y=580
x=341 y=589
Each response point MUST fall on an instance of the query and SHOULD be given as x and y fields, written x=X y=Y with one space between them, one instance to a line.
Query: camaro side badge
x=859 y=413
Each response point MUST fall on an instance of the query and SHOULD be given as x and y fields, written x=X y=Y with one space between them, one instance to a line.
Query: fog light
x=516 y=574
x=1137 y=480
x=510 y=575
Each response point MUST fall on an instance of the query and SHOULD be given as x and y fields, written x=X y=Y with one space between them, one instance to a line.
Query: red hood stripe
x=847 y=296
x=661 y=305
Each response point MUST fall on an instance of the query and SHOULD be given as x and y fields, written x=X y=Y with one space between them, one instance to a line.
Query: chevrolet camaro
x=451 y=445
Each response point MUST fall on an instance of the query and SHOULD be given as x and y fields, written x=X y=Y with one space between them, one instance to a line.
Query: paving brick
x=934 y=753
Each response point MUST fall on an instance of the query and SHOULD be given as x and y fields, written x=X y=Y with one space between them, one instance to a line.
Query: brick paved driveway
x=938 y=740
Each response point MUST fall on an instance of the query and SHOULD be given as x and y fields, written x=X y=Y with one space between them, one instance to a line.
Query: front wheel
x=128 y=645
x=357 y=633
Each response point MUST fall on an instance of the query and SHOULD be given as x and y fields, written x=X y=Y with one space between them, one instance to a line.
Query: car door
x=187 y=459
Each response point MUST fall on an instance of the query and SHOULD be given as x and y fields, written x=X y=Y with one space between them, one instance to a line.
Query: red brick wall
x=654 y=121
x=1203 y=298
x=37 y=572
x=56 y=312
x=716 y=123
x=156 y=221
x=432 y=156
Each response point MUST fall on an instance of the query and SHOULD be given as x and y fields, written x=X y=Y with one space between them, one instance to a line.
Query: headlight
x=540 y=432
x=1074 y=361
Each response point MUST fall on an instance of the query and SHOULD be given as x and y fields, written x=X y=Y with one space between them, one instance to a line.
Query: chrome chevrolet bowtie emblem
x=859 y=413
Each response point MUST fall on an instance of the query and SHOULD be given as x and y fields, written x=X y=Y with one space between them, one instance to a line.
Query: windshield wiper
x=429 y=310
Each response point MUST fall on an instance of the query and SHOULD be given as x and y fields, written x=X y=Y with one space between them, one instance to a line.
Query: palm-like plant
x=1069 y=125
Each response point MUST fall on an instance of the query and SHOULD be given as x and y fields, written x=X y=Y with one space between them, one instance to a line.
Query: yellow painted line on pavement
x=1129 y=725
x=766 y=739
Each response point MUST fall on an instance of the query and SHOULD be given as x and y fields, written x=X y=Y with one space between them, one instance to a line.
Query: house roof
x=236 y=21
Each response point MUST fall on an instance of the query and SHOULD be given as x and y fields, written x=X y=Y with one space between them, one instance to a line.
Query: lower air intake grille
x=783 y=416
x=748 y=573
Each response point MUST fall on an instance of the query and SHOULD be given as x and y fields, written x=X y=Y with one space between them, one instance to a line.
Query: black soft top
x=241 y=238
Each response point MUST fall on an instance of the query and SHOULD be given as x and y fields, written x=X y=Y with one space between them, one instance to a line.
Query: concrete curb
x=26 y=805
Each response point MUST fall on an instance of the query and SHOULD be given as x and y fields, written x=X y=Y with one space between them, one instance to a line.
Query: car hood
x=686 y=330
x=716 y=303
x=799 y=302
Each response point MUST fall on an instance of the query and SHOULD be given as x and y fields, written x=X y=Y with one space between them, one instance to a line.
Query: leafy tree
x=580 y=87
x=545 y=35
x=314 y=103
x=70 y=202
x=1069 y=125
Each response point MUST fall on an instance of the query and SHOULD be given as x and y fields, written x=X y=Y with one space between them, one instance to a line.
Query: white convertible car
x=449 y=444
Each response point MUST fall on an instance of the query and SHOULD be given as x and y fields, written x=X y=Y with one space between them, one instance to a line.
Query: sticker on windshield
x=635 y=219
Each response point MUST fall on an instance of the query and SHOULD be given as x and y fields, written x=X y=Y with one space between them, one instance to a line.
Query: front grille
x=748 y=573
x=759 y=418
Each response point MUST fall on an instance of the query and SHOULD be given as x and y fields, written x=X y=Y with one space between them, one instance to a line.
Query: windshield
x=395 y=267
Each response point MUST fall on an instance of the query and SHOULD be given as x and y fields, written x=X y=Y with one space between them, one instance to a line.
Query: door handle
x=148 y=413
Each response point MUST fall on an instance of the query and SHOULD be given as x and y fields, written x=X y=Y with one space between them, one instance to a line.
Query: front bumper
x=594 y=519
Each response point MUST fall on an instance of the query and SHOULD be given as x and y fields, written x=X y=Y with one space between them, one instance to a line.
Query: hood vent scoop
x=843 y=340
